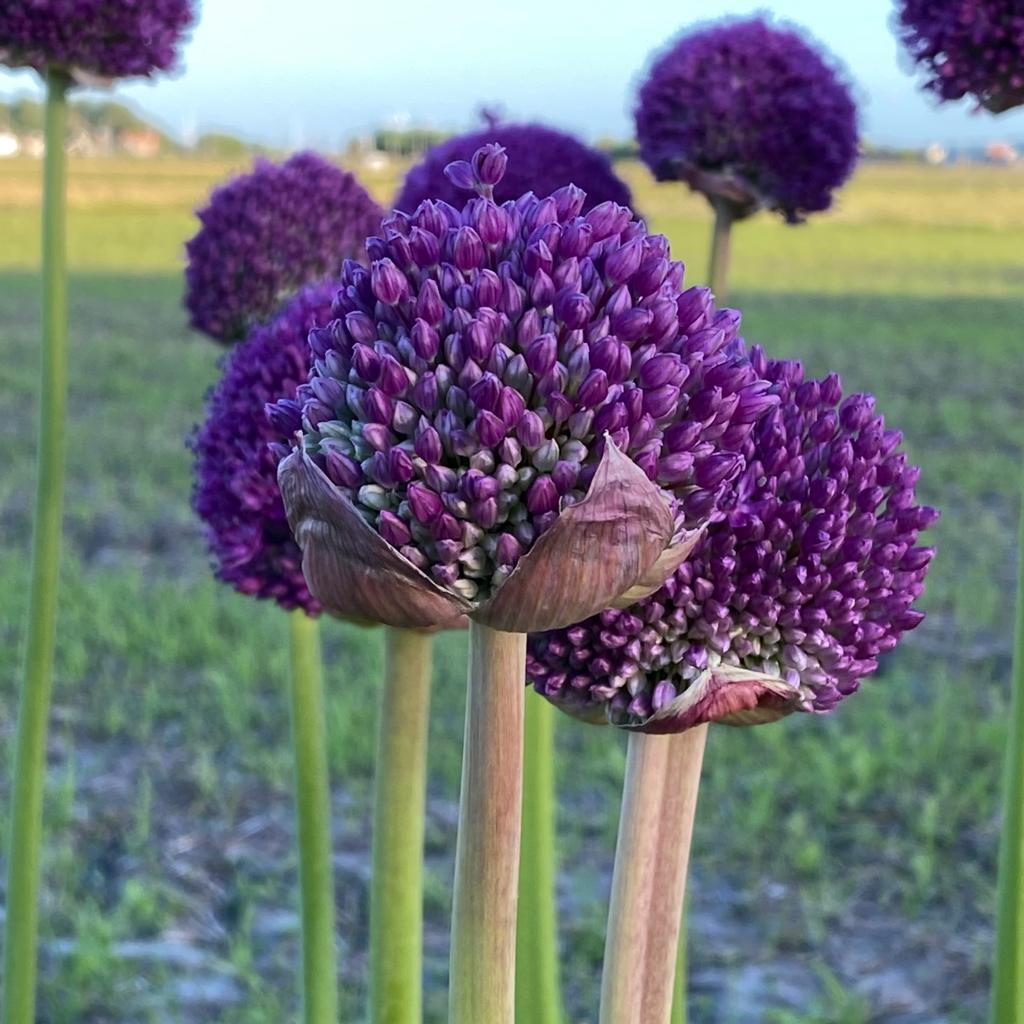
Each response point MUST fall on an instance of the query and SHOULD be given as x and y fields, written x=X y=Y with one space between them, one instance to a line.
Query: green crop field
x=844 y=865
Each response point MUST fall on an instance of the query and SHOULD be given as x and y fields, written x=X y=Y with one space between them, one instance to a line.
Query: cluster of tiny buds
x=466 y=391
x=809 y=579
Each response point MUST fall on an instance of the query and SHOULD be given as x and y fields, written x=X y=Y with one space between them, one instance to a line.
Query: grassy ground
x=844 y=866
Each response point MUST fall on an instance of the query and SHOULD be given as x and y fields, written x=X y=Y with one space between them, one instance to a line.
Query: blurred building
x=1001 y=153
x=140 y=142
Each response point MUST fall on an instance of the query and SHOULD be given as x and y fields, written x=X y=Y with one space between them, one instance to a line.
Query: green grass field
x=844 y=866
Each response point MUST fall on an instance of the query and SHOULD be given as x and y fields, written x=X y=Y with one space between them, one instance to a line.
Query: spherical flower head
x=520 y=408
x=787 y=603
x=750 y=115
x=967 y=48
x=94 y=39
x=266 y=234
x=540 y=160
x=238 y=447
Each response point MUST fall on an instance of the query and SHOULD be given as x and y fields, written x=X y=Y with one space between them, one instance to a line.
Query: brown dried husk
x=616 y=538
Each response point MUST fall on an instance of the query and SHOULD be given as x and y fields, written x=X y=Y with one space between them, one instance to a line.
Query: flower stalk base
x=313 y=824
x=482 y=970
x=396 y=894
x=538 y=990
x=659 y=801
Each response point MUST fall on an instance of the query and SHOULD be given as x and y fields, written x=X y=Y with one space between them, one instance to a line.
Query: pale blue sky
x=316 y=72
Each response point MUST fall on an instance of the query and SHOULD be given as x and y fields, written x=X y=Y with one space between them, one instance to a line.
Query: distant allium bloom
x=237 y=451
x=267 y=233
x=96 y=38
x=750 y=114
x=463 y=399
x=973 y=47
x=541 y=160
x=787 y=603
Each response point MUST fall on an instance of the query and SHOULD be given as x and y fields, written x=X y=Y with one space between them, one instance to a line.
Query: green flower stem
x=721 y=251
x=26 y=825
x=313 y=824
x=482 y=970
x=679 y=998
x=396 y=894
x=652 y=855
x=538 y=997
x=1008 y=981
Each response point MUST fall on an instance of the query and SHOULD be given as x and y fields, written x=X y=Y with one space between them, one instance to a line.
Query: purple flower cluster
x=267 y=233
x=968 y=47
x=749 y=114
x=463 y=396
x=100 y=38
x=541 y=160
x=809 y=578
x=238 y=448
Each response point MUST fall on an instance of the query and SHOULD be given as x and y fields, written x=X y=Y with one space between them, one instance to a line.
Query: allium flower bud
x=490 y=163
x=514 y=451
x=252 y=417
x=751 y=115
x=967 y=47
x=267 y=233
x=94 y=39
x=517 y=158
x=787 y=603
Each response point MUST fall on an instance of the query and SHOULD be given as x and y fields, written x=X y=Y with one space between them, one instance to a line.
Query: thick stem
x=538 y=995
x=22 y=931
x=313 y=825
x=675 y=837
x=1008 y=981
x=721 y=250
x=651 y=859
x=396 y=893
x=482 y=969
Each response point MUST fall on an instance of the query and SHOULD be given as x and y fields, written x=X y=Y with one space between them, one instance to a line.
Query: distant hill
x=23 y=116
x=102 y=127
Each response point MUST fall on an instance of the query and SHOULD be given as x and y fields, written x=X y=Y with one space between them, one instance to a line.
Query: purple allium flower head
x=94 y=39
x=267 y=233
x=968 y=47
x=540 y=160
x=787 y=603
x=238 y=447
x=495 y=376
x=749 y=114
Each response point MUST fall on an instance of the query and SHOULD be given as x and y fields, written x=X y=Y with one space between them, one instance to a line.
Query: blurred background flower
x=750 y=113
x=266 y=233
x=101 y=39
x=237 y=450
x=967 y=48
x=541 y=160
